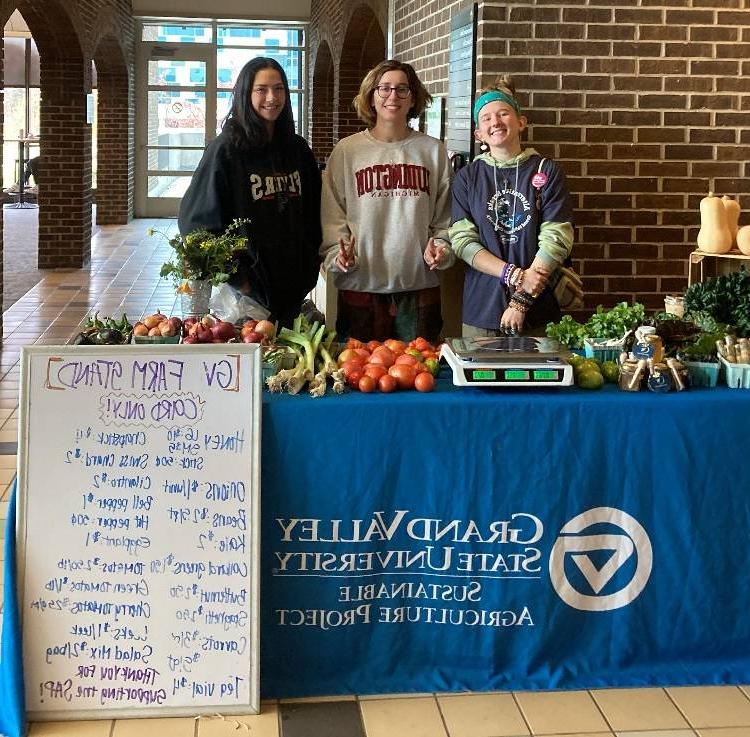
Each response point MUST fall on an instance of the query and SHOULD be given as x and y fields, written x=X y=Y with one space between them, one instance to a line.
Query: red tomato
x=372 y=345
x=426 y=355
x=421 y=344
x=383 y=356
x=347 y=354
x=367 y=384
x=424 y=382
x=354 y=343
x=404 y=375
x=397 y=346
x=387 y=384
x=352 y=365
x=407 y=359
x=353 y=378
x=375 y=370
x=363 y=353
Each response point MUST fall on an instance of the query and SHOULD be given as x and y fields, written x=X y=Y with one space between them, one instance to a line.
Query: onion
x=267 y=328
x=223 y=331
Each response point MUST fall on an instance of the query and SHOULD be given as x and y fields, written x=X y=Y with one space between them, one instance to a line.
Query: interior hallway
x=124 y=278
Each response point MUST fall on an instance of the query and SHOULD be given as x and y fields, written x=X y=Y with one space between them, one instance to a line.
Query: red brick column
x=114 y=190
x=65 y=165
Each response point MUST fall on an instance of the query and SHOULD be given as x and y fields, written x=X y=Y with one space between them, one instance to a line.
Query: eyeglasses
x=384 y=91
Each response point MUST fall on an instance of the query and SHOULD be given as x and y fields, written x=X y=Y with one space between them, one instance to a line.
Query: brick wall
x=644 y=104
x=68 y=35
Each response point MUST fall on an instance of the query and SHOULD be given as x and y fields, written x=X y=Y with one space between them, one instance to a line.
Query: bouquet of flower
x=204 y=256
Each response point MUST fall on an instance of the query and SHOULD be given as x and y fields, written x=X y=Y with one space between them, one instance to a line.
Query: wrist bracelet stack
x=522 y=301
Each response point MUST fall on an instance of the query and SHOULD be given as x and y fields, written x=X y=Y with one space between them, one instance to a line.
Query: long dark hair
x=246 y=128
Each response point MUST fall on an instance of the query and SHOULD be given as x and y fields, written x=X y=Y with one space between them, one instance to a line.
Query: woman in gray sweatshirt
x=385 y=208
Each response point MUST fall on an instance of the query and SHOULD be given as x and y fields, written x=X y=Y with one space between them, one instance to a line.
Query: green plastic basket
x=737 y=375
x=702 y=373
x=604 y=350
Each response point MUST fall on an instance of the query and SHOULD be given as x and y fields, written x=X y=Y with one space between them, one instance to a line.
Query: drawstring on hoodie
x=497 y=195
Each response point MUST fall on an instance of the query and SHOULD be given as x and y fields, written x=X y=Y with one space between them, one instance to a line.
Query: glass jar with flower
x=201 y=260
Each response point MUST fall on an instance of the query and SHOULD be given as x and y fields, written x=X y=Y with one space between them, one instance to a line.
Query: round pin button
x=539 y=179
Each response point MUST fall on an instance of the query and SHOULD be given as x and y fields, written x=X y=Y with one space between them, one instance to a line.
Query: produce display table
x=476 y=539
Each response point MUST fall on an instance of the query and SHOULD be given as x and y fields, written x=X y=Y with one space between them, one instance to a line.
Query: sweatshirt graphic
x=385 y=179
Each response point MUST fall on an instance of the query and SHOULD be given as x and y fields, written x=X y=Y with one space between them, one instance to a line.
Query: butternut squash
x=714 y=235
x=743 y=239
x=732 y=209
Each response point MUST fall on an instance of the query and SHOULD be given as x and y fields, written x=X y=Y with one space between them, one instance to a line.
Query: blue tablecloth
x=474 y=500
x=482 y=540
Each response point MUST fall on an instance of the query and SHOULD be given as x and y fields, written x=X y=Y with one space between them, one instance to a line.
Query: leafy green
x=724 y=298
x=567 y=331
x=604 y=324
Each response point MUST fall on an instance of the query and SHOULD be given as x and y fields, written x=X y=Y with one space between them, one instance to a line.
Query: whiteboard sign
x=138 y=523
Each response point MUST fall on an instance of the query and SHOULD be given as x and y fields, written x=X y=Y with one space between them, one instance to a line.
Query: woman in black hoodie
x=259 y=168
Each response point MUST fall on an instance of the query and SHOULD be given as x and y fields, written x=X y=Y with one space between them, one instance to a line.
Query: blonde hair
x=503 y=83
x=363 y=101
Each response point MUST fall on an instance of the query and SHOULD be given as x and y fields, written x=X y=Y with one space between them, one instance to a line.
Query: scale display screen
x=545 y=375
x=483 y=375
x=512 y=375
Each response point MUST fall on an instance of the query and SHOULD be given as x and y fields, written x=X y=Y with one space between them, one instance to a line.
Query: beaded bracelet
x=512 y=268
x=516 y=278
x=524 y=297
x=519 y=306
x=504 y=273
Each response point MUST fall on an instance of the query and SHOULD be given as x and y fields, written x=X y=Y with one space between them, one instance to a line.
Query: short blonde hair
x=363 y=101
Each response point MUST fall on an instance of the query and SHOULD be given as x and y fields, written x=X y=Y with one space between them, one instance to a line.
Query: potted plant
x=201 y=260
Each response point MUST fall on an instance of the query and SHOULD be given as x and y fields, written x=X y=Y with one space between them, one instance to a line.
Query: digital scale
x=508 y=361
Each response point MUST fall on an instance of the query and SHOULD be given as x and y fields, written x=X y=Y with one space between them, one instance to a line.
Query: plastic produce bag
x=232 y=305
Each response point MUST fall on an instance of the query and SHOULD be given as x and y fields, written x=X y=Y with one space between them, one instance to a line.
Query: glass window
x=268 y=36
x=176 y=72
x=176 y=118
x=14 y=122
x=34 y=77
x=194 y=33
x=223 y=103
x=172 y=186
x=15 y=61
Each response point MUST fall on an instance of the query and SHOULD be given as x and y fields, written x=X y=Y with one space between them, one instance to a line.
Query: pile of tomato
x=390 y=365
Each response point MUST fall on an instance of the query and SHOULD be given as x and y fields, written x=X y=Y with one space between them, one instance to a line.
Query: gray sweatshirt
x=392 y=197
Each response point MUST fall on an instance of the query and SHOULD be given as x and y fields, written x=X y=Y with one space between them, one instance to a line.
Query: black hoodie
x=276 y=186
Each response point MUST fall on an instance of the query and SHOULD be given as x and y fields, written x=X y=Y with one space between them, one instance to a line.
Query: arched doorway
x=64 y=194
x=363 y=48
x=321 y=133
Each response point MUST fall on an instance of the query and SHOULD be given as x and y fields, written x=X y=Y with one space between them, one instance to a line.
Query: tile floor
x=124 y=278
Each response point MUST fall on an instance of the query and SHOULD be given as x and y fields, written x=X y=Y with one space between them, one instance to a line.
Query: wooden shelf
x=697 y=259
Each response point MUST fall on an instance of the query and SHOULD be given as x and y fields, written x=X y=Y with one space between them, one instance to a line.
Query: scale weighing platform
x=508 y=361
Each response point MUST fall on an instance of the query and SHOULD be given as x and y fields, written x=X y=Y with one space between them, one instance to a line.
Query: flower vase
x=195 y=296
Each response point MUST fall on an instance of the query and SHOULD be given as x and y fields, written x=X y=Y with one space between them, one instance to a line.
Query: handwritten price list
x=139 y=582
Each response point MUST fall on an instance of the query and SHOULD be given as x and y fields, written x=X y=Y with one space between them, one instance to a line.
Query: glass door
x=176 y=118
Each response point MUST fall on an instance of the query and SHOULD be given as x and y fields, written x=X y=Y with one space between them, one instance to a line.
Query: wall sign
x=459 y=127
x=138 y=530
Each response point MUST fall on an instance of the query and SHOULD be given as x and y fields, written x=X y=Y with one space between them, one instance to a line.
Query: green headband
x=491 y=96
